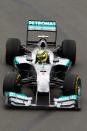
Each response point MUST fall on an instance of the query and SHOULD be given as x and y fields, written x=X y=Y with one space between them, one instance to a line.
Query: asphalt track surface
x=71 y=17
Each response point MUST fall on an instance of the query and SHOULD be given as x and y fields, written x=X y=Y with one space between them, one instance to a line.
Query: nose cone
x=43 y=82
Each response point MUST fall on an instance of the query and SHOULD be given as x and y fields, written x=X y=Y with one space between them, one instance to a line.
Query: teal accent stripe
x=15 y=60
x=68 y=63
x=14 y=94
x=51 y=26
x=71 y=97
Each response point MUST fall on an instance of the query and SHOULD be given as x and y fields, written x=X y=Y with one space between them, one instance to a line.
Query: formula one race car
x=41 y=76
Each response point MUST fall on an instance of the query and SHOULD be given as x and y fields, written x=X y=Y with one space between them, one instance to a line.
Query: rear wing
x=41 y=29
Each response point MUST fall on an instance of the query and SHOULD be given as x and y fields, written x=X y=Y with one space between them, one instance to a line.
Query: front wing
x=21 y=100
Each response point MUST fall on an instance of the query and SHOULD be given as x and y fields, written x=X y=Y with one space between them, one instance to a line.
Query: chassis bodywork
x=48 y=76
x=42 y=78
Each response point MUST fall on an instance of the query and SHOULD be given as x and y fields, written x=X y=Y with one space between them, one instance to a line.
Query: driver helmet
x=41 y=56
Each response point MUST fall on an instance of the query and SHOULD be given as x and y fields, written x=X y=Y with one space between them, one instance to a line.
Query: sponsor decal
x=66 y=101
x=17 y=99
x=42 y=23
x=38 y=25
x=66 y=98
x=22 y=96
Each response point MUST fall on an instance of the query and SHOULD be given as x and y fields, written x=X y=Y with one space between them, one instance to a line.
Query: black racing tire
x=69 y=50
x=10 y=82
x=71 y=84
x=12 y=49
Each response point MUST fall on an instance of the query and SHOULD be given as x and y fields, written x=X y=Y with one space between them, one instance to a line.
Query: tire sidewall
x=10 y=82
x=12 y=49
x=69 y=50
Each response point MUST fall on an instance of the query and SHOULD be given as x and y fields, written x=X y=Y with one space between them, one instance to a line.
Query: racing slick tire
x=12 y=49
x=10 y=82
x=69 y=50
x=72 y=86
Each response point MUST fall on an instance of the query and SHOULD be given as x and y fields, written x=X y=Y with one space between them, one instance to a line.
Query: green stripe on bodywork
x=16 y=61
x=51 y=26
x=68 y=63
x=16 y=94
x=71 y=97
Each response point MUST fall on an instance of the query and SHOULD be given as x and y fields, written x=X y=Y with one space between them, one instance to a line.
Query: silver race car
x=41 y=75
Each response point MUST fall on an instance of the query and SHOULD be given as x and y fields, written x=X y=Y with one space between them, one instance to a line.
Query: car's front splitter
x=21 y=100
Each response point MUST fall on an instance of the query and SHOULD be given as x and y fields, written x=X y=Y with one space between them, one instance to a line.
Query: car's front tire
x=10 y=82
x=72 y=86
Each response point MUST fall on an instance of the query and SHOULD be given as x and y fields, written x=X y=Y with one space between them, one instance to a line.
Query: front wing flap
x=21 y=100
